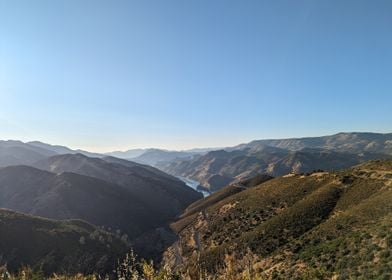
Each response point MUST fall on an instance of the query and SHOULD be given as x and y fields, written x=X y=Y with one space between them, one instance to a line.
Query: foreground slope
x=57 y=246
x=316 y=226
x=73 y=196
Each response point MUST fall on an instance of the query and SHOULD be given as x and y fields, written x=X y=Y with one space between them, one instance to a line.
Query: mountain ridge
x=216 y=169
x=320 y=225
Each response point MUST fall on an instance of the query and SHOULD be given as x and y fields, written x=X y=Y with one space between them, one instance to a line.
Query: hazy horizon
x=177 y=75
x=127 y=148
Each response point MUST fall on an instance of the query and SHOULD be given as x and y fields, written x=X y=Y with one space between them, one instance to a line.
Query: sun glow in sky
x=108 y=75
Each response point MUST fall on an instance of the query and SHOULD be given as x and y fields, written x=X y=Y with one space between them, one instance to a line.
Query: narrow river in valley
x=194 y=185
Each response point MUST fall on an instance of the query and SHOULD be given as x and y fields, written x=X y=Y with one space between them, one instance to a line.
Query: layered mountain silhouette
x=216 y=169
x=62 y=149
x=165 y=194
x=130 y=198
x=311 y=221
x=355 y=142
x=17 y=152
x=155 y=156
x=73 y=196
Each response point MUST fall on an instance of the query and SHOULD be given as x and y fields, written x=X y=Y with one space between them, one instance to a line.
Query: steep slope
x=217 y=169
x=74 y=196
x=70 y=246
x=146 y=170
x=163 y=194
x=201 y=205
x=314 y=226
x=308 y=159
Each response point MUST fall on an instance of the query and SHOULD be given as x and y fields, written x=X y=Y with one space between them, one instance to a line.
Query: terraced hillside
x=309 y=226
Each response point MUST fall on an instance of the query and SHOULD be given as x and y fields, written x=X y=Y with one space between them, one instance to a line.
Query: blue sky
x=105 y=75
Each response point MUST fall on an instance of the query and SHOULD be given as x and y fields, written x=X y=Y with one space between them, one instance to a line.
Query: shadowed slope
x=70 y=246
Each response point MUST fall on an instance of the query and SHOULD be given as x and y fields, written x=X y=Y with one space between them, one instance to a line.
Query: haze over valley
x=195 y=140
x=107 y=206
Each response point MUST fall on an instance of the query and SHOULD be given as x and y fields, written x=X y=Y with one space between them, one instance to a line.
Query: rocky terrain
x=216 y=169
x=321 y=225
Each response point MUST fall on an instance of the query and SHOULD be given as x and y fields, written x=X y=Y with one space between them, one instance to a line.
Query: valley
x=194 y=185
x=287 y=210
x=195 y=140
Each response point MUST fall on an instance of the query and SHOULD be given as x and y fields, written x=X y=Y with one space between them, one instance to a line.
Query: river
x=194 y=185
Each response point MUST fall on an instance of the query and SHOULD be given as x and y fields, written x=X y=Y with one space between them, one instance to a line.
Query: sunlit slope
x=329 y=224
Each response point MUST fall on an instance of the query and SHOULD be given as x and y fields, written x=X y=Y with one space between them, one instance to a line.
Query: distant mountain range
x=129 y=154
x=74 y=211
x=216 y=169
x=355 y=142
x=126 y=198
x=14 y=152
x=17 y=152
x=155 y=157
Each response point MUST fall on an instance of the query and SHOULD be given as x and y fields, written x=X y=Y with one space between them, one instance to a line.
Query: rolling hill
x=17 y=152
x=117 y=194
x=316 y=226
x=65 y=247
x=13 y=152
x=73 y=196
x=61 y=150
x=164 y=194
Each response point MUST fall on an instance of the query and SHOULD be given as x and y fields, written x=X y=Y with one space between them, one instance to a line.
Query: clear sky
x=105 y=75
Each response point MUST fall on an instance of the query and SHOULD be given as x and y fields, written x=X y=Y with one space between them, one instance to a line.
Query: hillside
x=61 y=150
x=355 y=143
x=17 y=152
x=218 y=168
x=67 y=247
x=74 y=196
x=162 y=193
x=314 y=226
x=309 y=159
